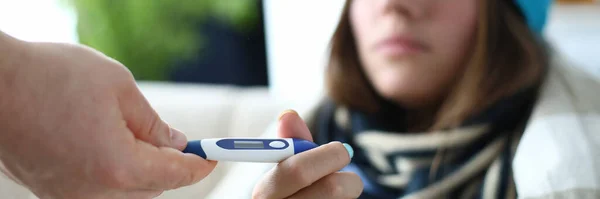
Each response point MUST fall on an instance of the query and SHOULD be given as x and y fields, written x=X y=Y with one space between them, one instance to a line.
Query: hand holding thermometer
x=248 y=149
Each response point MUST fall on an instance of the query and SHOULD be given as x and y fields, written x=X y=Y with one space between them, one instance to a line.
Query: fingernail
x=178 y=139
x=285 y=113
x=349 y=149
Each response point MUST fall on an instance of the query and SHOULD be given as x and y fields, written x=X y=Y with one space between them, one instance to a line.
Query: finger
x=164 y=168
x=178 y=139
x=292 y=126
x=337 y=185
x=144 y=122
x=300 y=171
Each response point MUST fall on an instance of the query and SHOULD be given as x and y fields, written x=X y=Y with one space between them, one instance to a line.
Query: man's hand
x=73 y=124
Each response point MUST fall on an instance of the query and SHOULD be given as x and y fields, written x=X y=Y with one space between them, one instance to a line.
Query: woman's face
x=412 y=50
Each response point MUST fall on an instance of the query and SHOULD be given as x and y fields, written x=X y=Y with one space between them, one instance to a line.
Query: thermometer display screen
x=248 y=144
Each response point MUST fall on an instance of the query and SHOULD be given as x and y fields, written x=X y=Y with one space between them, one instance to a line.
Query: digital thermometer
x=248 y=149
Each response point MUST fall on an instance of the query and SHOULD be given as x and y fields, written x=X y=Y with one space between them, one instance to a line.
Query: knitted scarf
x=471 y=161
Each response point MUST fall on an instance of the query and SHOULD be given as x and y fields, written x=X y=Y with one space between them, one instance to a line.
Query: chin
x=403 y=89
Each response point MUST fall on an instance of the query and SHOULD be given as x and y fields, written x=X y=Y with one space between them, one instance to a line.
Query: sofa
x=204 y=111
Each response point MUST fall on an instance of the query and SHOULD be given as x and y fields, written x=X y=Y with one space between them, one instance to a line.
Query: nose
x=412 y=9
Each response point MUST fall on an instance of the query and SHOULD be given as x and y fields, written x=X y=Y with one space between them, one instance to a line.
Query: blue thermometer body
x=248 y=149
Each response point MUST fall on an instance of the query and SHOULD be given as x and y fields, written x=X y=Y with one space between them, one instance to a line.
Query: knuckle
x=359 y=183
x=265 y=187
x=258 y=194
x=176 y=172
x=354 y=181
x=333 y=186
x=120 y=74
x=121 y=179
x=296 y=171
x=123 y=73
x=159 y=130
x=190 y=178
x=114 y=175
x=338 y=152
x=186 y=173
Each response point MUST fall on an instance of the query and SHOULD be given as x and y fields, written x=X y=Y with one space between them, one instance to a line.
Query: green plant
x=148 y=35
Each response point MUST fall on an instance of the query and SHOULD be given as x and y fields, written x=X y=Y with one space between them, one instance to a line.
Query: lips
x=399 y=46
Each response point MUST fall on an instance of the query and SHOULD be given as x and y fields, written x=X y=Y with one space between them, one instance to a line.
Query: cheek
x=453 y=32
x=363 y=25
x=361 y=17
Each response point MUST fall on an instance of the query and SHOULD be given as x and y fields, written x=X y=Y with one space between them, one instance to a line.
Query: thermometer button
x=277 y=144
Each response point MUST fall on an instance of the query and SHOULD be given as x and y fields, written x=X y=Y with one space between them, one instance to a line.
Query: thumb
x=292 y=126
x=164 y=168
x=145 y=123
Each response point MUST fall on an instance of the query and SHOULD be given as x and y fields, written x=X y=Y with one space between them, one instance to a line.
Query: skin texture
x=75 y=125
x=311 y=174
x=442 y=31
x=433 y=38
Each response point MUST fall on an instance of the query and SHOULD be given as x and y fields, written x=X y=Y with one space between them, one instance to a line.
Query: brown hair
x=505 y=58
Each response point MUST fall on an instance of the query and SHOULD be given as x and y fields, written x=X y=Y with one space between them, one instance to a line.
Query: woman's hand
x=311 y=174
x=74 y=125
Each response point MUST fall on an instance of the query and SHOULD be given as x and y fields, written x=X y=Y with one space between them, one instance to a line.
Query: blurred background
x=178 y=41
x=279 y=44
x=220 y=68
